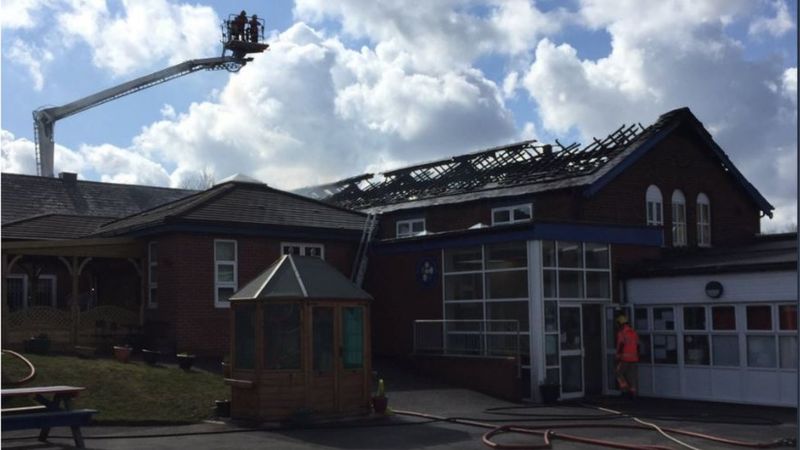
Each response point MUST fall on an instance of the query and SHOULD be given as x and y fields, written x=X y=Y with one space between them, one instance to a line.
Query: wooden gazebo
x=300 y=343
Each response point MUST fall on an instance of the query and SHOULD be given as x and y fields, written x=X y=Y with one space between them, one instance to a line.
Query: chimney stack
x=68 y=177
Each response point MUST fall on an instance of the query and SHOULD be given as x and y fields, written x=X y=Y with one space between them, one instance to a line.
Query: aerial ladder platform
x=239 y=42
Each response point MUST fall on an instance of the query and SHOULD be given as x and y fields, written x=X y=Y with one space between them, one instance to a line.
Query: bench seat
x=48 y=419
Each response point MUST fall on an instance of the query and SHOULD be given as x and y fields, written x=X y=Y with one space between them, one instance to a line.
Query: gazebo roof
x=295 y=276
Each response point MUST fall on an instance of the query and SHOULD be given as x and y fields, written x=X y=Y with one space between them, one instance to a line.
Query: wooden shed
x=300 y=343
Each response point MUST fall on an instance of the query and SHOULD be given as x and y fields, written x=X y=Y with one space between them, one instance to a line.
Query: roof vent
x=68 y=177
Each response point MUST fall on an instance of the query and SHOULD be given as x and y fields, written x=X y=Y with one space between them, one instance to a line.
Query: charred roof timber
x=527 y=162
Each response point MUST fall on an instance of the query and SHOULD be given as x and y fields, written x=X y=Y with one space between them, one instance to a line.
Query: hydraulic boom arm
x=44 y=119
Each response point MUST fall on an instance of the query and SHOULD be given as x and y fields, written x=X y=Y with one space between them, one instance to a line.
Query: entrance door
x=571 y=345
x=592 y=315
x=350 y=376
x=323 y=379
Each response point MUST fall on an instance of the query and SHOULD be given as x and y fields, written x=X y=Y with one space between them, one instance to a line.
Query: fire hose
x=25 y=379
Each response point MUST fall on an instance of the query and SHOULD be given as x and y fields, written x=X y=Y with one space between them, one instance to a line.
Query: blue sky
x=352 y=86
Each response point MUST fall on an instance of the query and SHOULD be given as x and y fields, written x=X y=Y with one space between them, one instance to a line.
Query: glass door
x=571 y=346
x=323 y=380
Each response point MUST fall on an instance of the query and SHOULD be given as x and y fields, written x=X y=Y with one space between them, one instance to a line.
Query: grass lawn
x=127 y=393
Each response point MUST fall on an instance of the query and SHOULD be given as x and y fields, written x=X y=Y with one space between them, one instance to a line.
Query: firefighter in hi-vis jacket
x=627 y=357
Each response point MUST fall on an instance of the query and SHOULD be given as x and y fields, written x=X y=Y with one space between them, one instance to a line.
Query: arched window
x=654 y=205
x=703 y=220
x=678 y=219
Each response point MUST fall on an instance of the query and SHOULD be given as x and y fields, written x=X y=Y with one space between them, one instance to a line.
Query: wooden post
x=76 y=313
x=140 y=266
x=5 y=273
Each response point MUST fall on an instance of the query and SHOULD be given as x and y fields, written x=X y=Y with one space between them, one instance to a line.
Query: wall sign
x=714 y=289
x=427 y=272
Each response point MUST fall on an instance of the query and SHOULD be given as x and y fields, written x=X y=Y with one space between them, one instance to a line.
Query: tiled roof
x=27 y=196
x=517 y=169
x=53 y=226
x=242 y=203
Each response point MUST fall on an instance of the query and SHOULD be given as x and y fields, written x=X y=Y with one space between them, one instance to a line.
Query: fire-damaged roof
x=241 y=203
x=521 y=168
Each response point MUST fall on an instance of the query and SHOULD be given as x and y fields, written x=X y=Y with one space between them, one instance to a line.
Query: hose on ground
x=31 y=370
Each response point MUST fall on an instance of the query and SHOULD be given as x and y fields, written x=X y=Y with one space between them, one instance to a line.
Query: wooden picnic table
x=54 y=409
x=58 y=395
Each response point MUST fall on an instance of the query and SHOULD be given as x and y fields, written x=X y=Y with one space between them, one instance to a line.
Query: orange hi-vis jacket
x=627 y=344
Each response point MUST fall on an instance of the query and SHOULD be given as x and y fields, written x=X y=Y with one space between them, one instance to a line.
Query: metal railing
x=467 y=338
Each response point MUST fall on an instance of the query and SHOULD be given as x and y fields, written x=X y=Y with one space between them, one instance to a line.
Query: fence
x=96 y=326
x=467 y=338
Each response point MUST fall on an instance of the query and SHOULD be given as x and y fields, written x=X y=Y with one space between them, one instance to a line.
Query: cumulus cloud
x=789 y=84
x=31 y=57
x=21 y=13
x=775 y=26
x=18 y=155
x=144 y=32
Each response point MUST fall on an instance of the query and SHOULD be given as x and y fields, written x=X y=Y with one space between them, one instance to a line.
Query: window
x=654 y=205
x=282 y=336
x=703 y=220
x=353 y=338
x=225 y=271
x=152 y=275
x=411 y=227
x=575 y=270
x=761 y=342
x=512 y=214
x=695 y=345
x=244 y=352
x=665 y=345
x=44 y=293
x=678 y=219
x=303 y=249
x=17 y=288
x=724 y=339
x=787 y=336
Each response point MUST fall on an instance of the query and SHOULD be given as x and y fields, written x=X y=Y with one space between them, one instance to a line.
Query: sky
x=350 y=86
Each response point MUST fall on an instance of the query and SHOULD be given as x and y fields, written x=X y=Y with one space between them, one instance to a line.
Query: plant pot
x=222 y=408
x=550 y=392
x=226 y=369
x=185 y=361
x=150 y=356
x=85 y=352
x=379 y=404
x=38 y=345
x=123 y=354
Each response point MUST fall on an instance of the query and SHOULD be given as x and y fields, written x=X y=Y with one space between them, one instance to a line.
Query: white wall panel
x=667 y=381
x=696 y=382
x=738 y=287
x=762 y=387
x=726 y=384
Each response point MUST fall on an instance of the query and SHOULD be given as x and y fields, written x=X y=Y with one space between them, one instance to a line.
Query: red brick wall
x=186 y=285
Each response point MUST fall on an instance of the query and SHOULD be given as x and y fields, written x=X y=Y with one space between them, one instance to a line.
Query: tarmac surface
x=409 y=392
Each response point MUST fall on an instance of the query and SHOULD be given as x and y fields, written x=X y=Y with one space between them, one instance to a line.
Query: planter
x=226 y=369
x=123 y=354
x=39 y=345
x=222 y=408
x=85 y=352
x=151 y=356
x=550 y=392
x=379 y=404
x=185 y=361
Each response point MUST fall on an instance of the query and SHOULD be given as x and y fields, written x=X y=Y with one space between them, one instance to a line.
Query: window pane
x=549 y=283
x=644 y=349
x=508 y=311
x=224 y=273
x=759 y=317
x=570 y=284
x=569 y=320
x=226 y=251
x=463 y=259
x=507 y=284
x=788 y=317
x=552 y=376
x=569 y=254
x=322 y=323
x=153 y=274
x=550 y=317
x=597 y=285
x=153 y=257
x=726 y=350
x=694 y=318
x=463 y=287
x=506 y=256
x=551 y=349
x=291 y=250
x=353 y=337
x=501 y=216
x=640 y=319
x=596 y=255
x=788 y=352
x=723 y=317
x=403 y=229
x=695 y=349
x=224 y=293
x=571 y=375
x=314 y=251
x=282 y=336
x=245 y=348
x=522 y=213
x=16 y=293
x=663 y=319
x=761 y=351
x=548 y=253
x=153 y=296
x=44 y=292
x=665 y=349
x=464 y=311
x=417 y=226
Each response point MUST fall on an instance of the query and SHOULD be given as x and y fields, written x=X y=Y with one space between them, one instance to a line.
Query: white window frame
x=678 y=219
x=703 y=220
x=410 y=223
x=225 y=284
x=510 y=209
x=152 y=265
x=24 y=279
x=653 y=197
x=303 y=248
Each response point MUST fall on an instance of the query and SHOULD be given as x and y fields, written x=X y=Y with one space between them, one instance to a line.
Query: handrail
x=25 y=379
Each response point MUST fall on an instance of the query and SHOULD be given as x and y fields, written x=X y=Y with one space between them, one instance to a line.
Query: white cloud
x=789 y=84
x=776 y=26
x=118 y=165
x=21 y=13
x=31 y=58
x=18 y=155
x=146 y=31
